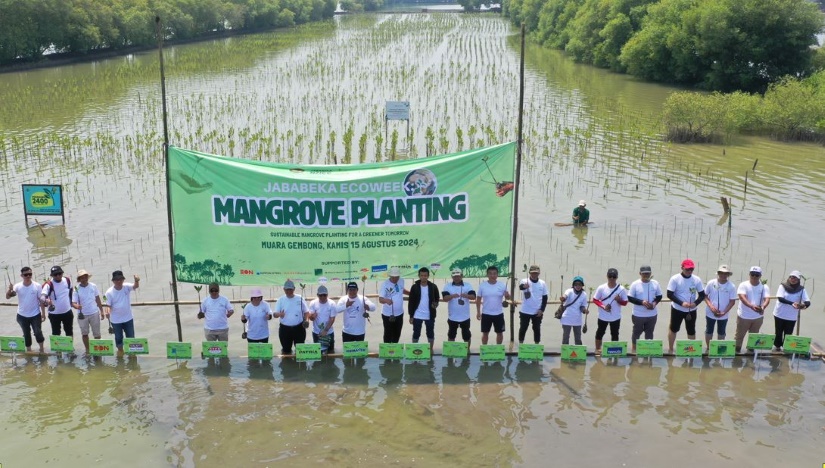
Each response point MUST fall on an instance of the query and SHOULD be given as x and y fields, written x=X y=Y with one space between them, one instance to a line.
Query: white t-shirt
x=720 y=295
x=60 y=298
x=394 y=291
x=257 y=327
x=492 y=295
x=324 y=312
x=120 y=303
x=215 y=311
x=532 y=305
x=756 y=295
x=685 y=290
x=455 y=311
x=294 y=307
x=86 y=296
x=28 y=299
x=603 y=293
x=786 y=311
x=644 y=292
x=423 y=310
x=354 y=321
x=572 y=312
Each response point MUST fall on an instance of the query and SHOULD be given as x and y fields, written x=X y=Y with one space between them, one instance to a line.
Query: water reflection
x=48 y=242
x=580 y=234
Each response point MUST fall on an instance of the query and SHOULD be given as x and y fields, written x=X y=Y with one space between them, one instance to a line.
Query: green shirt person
x=581 y=215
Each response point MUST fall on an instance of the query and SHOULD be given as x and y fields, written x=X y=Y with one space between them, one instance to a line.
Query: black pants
x=452 y=330
x=31 y=325
x=601 y=328
x=783 y=327
x=392 y=329
x=263 y=340
x=525 y=320
x=66 y=319
x=290 y=335
x=347 y=338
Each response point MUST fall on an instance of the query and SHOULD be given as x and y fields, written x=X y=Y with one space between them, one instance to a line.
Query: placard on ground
x=176 y=350
x=135 y=346
x=12 y=344
x=492 y=353
x=573 y=352
x=417 y=351
x=649 y=348
x=760 y=341
x=101 y=347
x=390 y=350
x=215 y=349
x=531 y=352
x=307 y=352
x=356 y=349
x=797 y=344
x=689 y=348
x=61 y=344
x=455 y=349
x=722 y=349
x=261 y=350
x=611 y=349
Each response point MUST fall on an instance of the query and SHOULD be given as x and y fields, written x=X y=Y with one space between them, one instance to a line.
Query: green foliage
x=470 y=5
x=206 y=271
x=475 y=266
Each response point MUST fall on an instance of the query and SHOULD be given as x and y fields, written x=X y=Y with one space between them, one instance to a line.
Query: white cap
x=256 y=292
x=582 y=203
x=395 y=271
x=723 y=269
x=796 y=274
x=755 y=269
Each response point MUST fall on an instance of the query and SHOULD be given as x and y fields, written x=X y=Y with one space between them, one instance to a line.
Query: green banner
x=760 y=341
x=649 y=348
x=688 y=348
x=101 y=347
x=135 y=346
x=261 y=350
x=722 y=349
x=215 y=349
x=356 y=349
x=614 y=349
x=175 y=350
x=307 y=352
x=417 y=351
x=492 y=352
x=455 y=349
x=573 y=352
x=797 y=344
x=390 y=350
x=61 y=344
x=12 y=344
x=531 y=352
x=338 y=223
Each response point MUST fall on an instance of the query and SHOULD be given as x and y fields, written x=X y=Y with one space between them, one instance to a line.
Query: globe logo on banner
x=420 y=183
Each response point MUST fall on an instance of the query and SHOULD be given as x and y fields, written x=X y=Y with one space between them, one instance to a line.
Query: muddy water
x=589 y=134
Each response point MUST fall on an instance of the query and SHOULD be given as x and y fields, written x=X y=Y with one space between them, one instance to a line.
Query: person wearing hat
x=754 y=298
x=216 y=310
x=609 y=298
x=791 y=298
x=322 y=313
x=57 y=295
x=392 y=298
x=720 y=297
x=575 y=306
x=119 y=303
x=490 y=305
x=581 y=215
x=686 y=292
x=356 y=309
x=89 y=307
x=30 y=311
x=424 y=299
x=293 y=312
x=645 y=294
x=458 y=294
x=257 y=314
x=533 y=302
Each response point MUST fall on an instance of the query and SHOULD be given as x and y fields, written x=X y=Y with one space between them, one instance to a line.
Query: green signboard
x=61 y=344
x=215 y=349
x=309 y=223
x=797 y=344
x=760 y=341
x=531 y=352
x=135 y=346
x=12 y=344
x=722 y=349
x=356 y=349
x=102 y=347
x=43 y=200
x=260 y=350
x=417 y=351
x=455 y=349
x=492 y=352
x=689 y=348
x=649 y=348
x=175 y=350
x=390 y=350
x=307 y=352
x=615 y=349
x=573 y=352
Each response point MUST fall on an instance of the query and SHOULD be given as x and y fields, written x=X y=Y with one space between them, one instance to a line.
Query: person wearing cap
x=119 y=303
x=216 y=310
x=57 y=295
x=458 y=294
x=356 y=309
x=490 y=305
x=645 y=294
x=293 y=312
x=575 y=306
x=256 y=315
x=392 y=298
x=533 y=302
x=581 y=215
x=322 y=313
x=754 y=298
x=686 y=292
x=791 y=298
x=422 y=305
x=609 y=298
x=720 y=297
x=30 y=311
x=89 y=307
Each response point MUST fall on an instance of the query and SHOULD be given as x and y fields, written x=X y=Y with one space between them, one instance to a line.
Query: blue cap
x=579 y=279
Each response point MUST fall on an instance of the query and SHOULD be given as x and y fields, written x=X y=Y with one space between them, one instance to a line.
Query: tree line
x=30 y=28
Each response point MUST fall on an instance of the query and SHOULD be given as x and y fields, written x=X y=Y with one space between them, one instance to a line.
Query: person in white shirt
x=575 y=306
x=293 y=312
x=89 y=307
x=490 y=305
x=645 y=294
x=754 y=298
x=30 y=311
x=720 y=297
x=356 y=310
x=609 y=298
x=458 y=294
x=791 y=298
x=216 y=310
x=391 y=295
x=256 y=315
x=533 y=302
x=119 y=302
x=322 y=313
x=57 y=295
x=686 y=292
